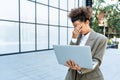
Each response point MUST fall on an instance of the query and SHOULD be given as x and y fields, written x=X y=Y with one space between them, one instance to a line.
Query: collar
x=87 y=35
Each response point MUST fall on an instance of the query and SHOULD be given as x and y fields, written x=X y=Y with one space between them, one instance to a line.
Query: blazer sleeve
x=100 y=50
x=72 y=43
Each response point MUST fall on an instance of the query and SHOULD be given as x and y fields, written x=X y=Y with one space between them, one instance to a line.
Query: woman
x=83 y=35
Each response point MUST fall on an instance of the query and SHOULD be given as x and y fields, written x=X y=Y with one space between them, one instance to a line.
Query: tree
x=96 y=9
x=112 y=15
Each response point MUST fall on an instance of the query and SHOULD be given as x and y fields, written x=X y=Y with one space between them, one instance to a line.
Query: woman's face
x=83 y=26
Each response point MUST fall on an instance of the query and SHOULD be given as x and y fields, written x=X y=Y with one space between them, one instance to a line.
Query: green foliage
x=111 y=14
x=113 y=18
x=95 y=25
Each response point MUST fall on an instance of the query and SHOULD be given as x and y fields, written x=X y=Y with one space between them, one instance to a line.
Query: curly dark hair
x=81 y=13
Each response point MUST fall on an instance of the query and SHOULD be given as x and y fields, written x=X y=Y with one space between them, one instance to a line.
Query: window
x=63 y=18
x=42 y=14
x=53 y=16
x=63 y=4
x=70 y=23
x=27 y=11
x=27 y=37
x=53 y=36
x=9 y=9
x=63 y=35
x=53 y=3
x=71 y=4
x=9 y=39
x=42 y=37
x=69 y=34
x=42 y=24
x=43 y=1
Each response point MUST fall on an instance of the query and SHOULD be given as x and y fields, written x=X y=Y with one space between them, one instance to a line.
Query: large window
x=53 y=16
x=63 y=4
x=63 y=36
x=53 y=3
x=42 y=14
x=43 y=1
x=9 y=9
x=32 y=25
x=27 y=11
x=27 y=37
x=53 y=36
x=63 y=18
x=9 y=37
x=42 y=37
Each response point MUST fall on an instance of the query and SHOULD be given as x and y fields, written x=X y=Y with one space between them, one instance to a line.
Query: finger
x=72 y=63
x=80 y=29
x=75 y=67
x=69 y=63
x=78 y=67
x=76 y=30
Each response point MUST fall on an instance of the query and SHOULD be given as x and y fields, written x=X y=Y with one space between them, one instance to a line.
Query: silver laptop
x=80 y=54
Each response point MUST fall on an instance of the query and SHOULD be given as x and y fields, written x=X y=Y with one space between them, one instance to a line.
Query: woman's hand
x=76 y=31
x=71 y=64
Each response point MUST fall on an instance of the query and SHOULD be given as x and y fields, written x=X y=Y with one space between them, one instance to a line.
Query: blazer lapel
x=90 y=42
x=78 y=39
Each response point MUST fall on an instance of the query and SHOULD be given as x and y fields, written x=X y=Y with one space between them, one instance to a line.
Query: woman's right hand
x=76 y=32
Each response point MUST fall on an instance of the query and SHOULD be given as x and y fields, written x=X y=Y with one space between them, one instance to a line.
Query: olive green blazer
x=97 y=42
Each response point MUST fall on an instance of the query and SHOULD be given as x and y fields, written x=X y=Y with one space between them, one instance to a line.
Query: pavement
x=43 y=66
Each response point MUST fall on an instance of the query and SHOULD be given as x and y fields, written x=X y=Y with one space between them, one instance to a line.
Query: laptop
x=80 y=54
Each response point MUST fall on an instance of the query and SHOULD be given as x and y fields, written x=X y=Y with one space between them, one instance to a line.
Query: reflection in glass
x=9 y=9
x=53 y=36
x=42 y=14
x=27 y=11
x=53 y=16
x=42 y=37
x=63 y=35
x=63 y=18
x=9 y=39
x=27 y=37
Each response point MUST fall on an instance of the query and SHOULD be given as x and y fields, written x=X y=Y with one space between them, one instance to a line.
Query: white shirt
x=83 y=39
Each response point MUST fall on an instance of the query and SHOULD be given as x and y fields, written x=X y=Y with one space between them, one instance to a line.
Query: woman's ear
x=87 y=22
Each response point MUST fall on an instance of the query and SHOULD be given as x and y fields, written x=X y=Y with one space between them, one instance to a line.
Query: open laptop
x=80 y=54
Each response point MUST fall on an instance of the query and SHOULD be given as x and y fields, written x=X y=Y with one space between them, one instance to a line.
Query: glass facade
x=34 y=25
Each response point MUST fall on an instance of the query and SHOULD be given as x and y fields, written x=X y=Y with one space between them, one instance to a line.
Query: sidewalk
x=43 y=66
x=110 y=66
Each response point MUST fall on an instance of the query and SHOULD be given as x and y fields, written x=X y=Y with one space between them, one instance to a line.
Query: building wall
x=33 y=25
